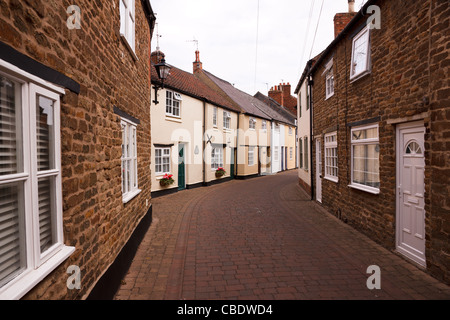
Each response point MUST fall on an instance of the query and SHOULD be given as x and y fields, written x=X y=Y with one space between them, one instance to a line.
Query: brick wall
x=408 y=81
x=96 y=222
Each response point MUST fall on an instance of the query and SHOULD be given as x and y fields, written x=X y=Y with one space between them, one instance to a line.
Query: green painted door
x=233 y=161
x=181 y=168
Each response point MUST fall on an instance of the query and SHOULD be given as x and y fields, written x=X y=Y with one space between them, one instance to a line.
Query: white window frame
x=165 y=155
x=329 y=84
x=216 y=157
x=128 y=24
x=252 y=123
x=226 y=120
x=291 y=153
x=290 y=131
x=173 y=102
x=37 y=265
x=365 y=32
x=264 y=125
x=306 y=153
x=301 y=152
x=130 y=187
x=354 y=143
x=214 y=116
x=251 y=156
x=329 y=79
x=331 y=157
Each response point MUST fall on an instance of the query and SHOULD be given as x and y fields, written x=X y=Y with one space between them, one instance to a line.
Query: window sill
x=159 y=176
x=328 y=97
x=359 y=76
x=227 y=130
x=130 y=195
x=173 y=118
x=333 y=179
x=364 y=188
x=26 y=281
x=125 y=41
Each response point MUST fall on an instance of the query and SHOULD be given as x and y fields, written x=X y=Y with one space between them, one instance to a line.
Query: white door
x=318 y=170
x=410 y=192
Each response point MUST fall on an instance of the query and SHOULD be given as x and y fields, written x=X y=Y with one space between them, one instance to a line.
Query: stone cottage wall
x=96 y=222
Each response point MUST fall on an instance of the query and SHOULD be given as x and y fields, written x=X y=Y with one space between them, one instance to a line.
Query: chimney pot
x=198 y=65
x=351 y=6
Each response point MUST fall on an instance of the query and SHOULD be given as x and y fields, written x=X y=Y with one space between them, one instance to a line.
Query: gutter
x=204 y=143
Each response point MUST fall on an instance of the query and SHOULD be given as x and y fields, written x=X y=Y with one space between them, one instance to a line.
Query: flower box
x=166 y=180
x=220 y=172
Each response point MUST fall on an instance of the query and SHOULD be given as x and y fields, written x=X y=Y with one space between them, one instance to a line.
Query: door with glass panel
x=410 y=192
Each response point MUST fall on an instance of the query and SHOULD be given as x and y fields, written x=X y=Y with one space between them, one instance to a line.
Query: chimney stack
x=198 y=66
x=157 y=56
x=342 y=19
x=351 y=6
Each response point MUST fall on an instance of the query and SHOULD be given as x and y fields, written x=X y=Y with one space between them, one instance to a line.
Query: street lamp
x=162 y=70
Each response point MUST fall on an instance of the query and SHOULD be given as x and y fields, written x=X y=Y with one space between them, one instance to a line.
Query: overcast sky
x=235 y=47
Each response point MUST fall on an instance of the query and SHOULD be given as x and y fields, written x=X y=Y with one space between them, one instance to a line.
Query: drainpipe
x=311 y=137
x=236 y=165
x=203 y=143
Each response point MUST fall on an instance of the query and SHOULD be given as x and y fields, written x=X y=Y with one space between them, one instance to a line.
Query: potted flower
x=220 y=172
x=166 y=180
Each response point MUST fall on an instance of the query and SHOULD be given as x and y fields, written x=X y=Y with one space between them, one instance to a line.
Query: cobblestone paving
x=262 y=239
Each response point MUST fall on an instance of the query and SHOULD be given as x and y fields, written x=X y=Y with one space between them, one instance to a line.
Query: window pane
x=46 y=199
x=12 y=237
x=168 y=102
x=45 y=133
x=122 y=17
x=360 y=53
x=366 y=165
x=129 y=175
x=371 y=133
x=10 y=127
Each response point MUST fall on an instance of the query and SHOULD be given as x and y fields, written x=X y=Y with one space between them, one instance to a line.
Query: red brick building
x=381 y=128
x=75 y=141
x=282 y=94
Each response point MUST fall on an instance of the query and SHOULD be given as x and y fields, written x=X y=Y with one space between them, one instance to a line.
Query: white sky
x=226 y=31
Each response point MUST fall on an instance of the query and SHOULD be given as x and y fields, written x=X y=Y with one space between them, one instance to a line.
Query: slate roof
x=186 y=83
x=275 y=110
x=248 y=104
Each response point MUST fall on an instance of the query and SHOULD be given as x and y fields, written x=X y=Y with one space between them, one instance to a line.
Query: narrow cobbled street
x=262 y=239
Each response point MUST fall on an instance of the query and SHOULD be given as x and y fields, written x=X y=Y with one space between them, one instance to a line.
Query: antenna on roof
x=195 y=41
x=157 y=37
